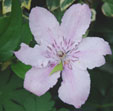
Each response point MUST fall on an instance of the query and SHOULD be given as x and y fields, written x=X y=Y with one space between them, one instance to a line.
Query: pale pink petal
x=75 y=86
x=92 y=52
x=43 y=25
x=39 y=81
x=32 y=56
x=76 y=21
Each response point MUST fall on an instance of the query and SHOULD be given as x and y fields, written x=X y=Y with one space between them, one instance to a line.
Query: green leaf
x=5 y=65
x=107 y=9
x=102 y=84
x=58 y=67
x=14 y=98
x=26 y=4
x=43 y=103
x=10 y=36
x=6 y=6
x=93 y=16
x=63 y=109
x=107 y=68
x=103 y=27
x=12 y=95
x=53 y=4
x=64 y=4
x=3 y=24
x=20 y=69
x=109 y=1
x=86 y=34
x=26 y=35
x=58 y=14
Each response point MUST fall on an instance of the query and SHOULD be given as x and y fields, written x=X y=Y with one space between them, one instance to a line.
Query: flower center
x=61 y=55
x=63 y=51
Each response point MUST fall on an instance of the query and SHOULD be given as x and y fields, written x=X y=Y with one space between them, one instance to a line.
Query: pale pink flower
x=62 y=42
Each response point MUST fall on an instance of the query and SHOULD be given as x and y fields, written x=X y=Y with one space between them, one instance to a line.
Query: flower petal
x=92 y=52
x=75 y=86
x=39 y=81
x=32 y=56
x=43 y=24
x=76 y=21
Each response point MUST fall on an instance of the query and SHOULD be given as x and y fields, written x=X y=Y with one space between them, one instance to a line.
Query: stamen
x=72 y=43
x=67 y=51
x=76 y=52
x=70 y=66
x=69 y=41
x=75 y=59
x=49 y=48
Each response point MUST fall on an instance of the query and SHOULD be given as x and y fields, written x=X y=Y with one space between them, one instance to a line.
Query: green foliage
x=20 y=69
x=108 y=67
x=12 y=94
x=14 y=98
x=26 y=3
x=104 y=27
x=58 y=14
x=58 y=7
x=10 y=34
x=6 y=5
x=43 y=103
x=107 y=8
x=101 y=95
x=25 y=34
x=93 y=17
x=52 y=4
x=63 y=109
x=64 y=4
x=13 y=31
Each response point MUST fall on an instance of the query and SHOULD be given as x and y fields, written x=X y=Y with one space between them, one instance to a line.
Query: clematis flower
x=62 y=44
